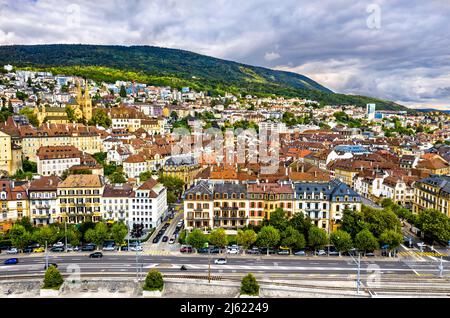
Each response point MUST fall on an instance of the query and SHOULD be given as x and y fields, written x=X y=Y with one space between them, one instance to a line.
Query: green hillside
x=177 y=68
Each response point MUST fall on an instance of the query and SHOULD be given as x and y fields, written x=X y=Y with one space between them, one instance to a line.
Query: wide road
x=110 y=264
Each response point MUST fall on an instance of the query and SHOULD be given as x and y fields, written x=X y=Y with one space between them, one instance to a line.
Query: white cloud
x=271 y=56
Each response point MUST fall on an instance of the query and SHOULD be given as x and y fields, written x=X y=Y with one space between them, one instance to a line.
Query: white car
x=109 y=248
x=12 y=250
x=137 y=248
x=220 y=261
x=58 y=244
x=172 y=240
x=233 y=251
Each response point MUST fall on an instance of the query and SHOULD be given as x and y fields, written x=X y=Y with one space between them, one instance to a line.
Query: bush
x=53 y=278
x=249 y=286
x=153 y=281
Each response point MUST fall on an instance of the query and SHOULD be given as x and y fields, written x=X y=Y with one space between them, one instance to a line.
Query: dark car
x=51 y=264
x=57 y=249
x=11 y=261
x=156 y=239
x=28 y=250
x=214 y=250
x=124 y=248
x=186 y=249
x=254 y=251
x=283 y=252
x=203 y=250
x=161 y=232
x=165 y=239
x=96 y=255
x=88 y=248
x=264 y=251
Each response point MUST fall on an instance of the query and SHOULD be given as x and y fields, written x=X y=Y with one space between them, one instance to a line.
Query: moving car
x=12 y=250
x=11 y=261
x=51 y=264
x=96 y=255
x=220 y=261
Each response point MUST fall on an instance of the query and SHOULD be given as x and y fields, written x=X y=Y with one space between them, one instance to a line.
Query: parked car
x=28 y=250
x=320 y=253
x=88 y=248
x=165 y=239
x=254 y=251
x=300 y=253
x=109 y=248
x=69 y=248
x=186 y=249
x=232 y=251
x=39 y=250
x=172 y=240
x=124 y=248
x=96 y=255
x=156 y=239
x=76 y=248
x=264 y=251
x=57 y=249
x=12 y=250
x=136 y=248
x=58 y=244
x=214 y=250
x=51 y=264
x=370 y=254
x=203 y=250
x=220 y=261
x=11 y=261
x=333 y=252
x=284 y=252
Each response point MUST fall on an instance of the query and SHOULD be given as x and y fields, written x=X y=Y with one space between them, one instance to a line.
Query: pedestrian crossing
x=415 y=253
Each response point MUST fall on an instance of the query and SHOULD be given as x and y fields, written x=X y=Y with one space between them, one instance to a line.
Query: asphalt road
x=113 y=263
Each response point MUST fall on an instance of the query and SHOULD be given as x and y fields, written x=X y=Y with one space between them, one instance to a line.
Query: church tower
x=84 y=101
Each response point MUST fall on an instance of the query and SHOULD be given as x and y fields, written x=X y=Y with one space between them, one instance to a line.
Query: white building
x=54 y=160
x=43 y=200
x=116 y=203
x=149 y=205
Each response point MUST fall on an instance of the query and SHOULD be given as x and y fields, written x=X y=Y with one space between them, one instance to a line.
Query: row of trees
x=23 y=233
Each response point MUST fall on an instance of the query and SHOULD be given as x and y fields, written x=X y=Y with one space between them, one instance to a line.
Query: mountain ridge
x=174 y=67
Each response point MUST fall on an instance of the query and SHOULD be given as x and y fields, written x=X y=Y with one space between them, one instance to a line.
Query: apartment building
x=432 y=192
x=54 y=160
x=43 y=200
x=80 y=198
x=13 y=200
x=148 y=206
x=116 y=202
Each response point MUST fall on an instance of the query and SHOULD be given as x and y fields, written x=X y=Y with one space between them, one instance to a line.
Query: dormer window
x=19 y=196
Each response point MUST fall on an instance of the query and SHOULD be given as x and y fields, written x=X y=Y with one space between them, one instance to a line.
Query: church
x=81 y=105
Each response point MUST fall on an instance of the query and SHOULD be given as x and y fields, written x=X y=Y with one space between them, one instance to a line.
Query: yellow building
x=52 y=115
x=13 y=201
x=184 y=168
x=10 y=155
x=80 y=199
x=432 y=193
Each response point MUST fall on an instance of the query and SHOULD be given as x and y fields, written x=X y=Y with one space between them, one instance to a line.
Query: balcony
x=227 y=218
x=230 y=208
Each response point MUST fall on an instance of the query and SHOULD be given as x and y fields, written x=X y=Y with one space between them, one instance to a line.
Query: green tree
x=378 y=221
x=123 y=92
x=391 y=238
x=435 y=225
x=352 y=222
x=29 y=113
x=117 y=177
x=119 y=232
x=249 y=286
x=196 y=239
x=73 y=237
x=301 y=223
x=44 y=234
x=292 y=238
x=317 y=238
x=20 y=238
x=100 y=157
x=268 y=237
x=278 y=219
x=29 y=166
x=154 y=281
x=366 y=241
x=342 y=241
x=26 y=223
x=101 y=233
x=52 y=278
x=144 y=176
x=101 y=118
x=90 y=236
x=246 y=238
x=218 y=238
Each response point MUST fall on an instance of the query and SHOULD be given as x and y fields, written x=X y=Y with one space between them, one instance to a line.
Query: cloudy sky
x=393 y=49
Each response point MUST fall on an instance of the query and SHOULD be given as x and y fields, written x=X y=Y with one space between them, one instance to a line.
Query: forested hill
x=177 y=68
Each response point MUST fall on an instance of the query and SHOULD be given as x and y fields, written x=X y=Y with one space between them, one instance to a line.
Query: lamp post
x=65 y=234
x=46 y=255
